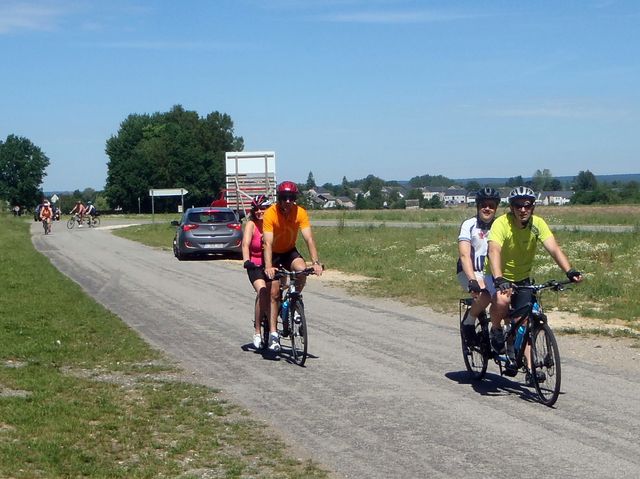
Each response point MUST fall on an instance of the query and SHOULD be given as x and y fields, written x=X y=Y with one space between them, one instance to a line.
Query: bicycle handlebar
x=553 y=284
x=282 y=273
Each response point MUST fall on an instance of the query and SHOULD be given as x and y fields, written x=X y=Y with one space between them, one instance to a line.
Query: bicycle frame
x=538 y=355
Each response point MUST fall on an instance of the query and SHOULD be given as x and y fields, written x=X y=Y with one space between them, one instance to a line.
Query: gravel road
x=384 y=393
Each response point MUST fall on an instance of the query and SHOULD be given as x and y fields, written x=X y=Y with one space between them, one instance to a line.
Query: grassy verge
x=565 y=215
x=81 y=395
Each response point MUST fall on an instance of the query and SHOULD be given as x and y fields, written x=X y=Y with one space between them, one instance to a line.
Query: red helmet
x=287 y=187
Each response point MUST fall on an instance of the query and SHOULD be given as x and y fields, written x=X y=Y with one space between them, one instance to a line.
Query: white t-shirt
x=472 y=231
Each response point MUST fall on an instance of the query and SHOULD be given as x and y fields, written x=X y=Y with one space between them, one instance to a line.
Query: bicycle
x=531 y=329
x=291 y=316
x=47 y=226
x=90 y=221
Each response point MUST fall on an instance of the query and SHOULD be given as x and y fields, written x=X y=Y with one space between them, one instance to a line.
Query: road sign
x=54 y=198
x=168 y=192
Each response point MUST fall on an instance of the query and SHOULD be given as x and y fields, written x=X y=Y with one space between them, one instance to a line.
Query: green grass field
x=81 y=395
x=569 y=215
x=417 y=265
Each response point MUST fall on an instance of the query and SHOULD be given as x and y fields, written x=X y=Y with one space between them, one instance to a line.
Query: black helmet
x=521 y=192
x=487 y=193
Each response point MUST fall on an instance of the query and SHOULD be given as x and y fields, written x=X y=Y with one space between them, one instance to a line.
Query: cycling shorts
x=480 y=277
x=256 y=274
x=518 y=297
x=285 y=259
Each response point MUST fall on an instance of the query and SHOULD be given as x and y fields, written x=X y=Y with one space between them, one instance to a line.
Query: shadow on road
x=494 y=385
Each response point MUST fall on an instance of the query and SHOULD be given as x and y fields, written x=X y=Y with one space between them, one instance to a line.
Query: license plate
x=213 y=245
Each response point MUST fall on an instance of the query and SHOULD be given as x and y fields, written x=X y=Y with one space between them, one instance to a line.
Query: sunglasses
x=261 y=208
x=526 y=206
x=287 y=197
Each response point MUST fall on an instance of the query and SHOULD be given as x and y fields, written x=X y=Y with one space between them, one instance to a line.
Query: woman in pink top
x=254 y=263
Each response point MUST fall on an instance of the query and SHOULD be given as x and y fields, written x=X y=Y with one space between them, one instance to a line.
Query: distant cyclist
x=254 y=262
x=78 y=210
x=281 y=224
x=46 y=214
x=90 y=211
x=513 y=242
x=472 y=249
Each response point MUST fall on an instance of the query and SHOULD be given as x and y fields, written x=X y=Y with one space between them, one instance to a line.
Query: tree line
x=585 y=186
x=180 y=149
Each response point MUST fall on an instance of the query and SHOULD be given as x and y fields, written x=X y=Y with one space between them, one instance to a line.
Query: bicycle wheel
x=264 y=331
x=545 y=370
x=71 y=223
x=474 y=355
x=96 y=221
x=299 y=336
x=46 y=227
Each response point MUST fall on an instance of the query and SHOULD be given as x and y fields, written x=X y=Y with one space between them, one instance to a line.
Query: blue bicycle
x=535 y=349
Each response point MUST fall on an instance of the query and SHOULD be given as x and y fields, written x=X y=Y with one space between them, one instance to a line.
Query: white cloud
x=16 y=16
x=395 y=17
x=167 y=45
x=559 y=109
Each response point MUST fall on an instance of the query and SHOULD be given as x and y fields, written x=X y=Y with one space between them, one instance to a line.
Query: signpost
x=166 y=192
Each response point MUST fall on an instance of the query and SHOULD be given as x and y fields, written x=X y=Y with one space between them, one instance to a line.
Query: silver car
x=207 y=230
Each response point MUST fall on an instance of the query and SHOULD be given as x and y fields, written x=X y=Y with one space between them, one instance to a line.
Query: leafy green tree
x=429 y=180
x=22 y=169
x=585 y=181
x=473 y=186
x=554 y=185
x=311 y=182
x=514 y=181
x=541 y=178
x=434 y=203
x=175 y=149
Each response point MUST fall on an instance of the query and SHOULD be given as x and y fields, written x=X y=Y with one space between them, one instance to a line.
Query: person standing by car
x=78 y=209
x=46 y=214
x=513 y=241
x=254 y=262
x=472 y=249
x=281 y=224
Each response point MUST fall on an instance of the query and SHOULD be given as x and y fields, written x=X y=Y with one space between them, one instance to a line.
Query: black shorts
x=257 y=273
x=285 y=259
x=521 y=297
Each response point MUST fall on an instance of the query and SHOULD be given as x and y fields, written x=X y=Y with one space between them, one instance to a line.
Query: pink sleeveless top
x=255 y=247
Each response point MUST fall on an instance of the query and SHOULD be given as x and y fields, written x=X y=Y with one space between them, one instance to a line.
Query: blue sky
x=348 y=88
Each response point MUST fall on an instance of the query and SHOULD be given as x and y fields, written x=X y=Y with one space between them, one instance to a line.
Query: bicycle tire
x=546 y=359
x=71 y=223
x=45 y=226
x=299 y=334
x=475 y=357
x=95 y=221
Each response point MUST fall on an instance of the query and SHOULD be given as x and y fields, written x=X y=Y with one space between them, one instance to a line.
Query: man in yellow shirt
x=513 y=240
x=280 y=227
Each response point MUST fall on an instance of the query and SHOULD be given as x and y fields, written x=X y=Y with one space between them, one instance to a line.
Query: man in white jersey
x=472 y=248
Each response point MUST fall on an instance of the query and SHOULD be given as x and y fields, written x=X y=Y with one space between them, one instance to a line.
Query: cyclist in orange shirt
x=46 y=214
x=280 y=227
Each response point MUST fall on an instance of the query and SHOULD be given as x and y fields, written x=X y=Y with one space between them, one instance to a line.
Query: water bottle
x=536 y=308
x=519 y=337
x=285 y=309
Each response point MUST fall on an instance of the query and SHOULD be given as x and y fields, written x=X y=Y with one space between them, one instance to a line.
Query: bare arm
x=495 y=259
x=311 y=245
x=267 y=242
x=551 y=245
x=464 y=250
x=247 y=235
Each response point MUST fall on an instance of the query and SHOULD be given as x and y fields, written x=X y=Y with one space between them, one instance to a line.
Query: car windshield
x=212 y=217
